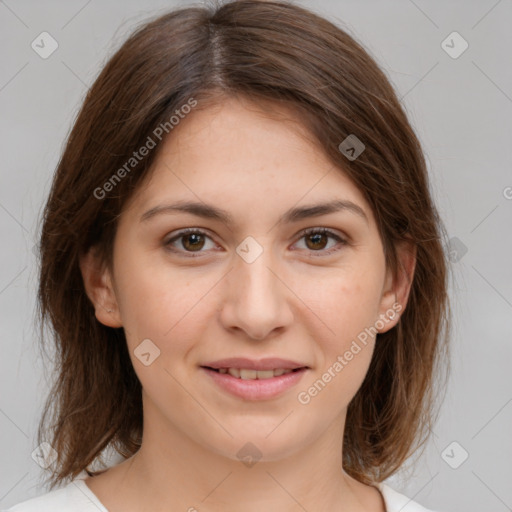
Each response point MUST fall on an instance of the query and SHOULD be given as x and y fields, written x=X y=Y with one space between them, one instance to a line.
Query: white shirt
x=76 y=496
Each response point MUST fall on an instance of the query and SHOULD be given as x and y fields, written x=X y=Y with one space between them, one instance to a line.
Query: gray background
x=461 y=109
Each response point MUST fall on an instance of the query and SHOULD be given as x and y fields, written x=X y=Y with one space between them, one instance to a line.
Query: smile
x=248 y=374
x=255 y=384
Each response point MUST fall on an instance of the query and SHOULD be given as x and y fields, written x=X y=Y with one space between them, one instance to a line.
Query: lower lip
x=256 y=389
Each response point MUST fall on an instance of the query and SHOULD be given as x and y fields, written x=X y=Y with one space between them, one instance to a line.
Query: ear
x=99 y=288
x=396 y=288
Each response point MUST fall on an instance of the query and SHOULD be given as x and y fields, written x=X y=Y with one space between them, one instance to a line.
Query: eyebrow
x=293 y=215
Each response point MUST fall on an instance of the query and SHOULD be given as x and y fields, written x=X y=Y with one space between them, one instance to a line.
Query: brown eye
x=189 y=241
x=193 y=241
x=317 y=239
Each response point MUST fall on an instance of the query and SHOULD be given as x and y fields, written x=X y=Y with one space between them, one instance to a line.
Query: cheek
x=346 y=303
x=163 y=305
x=348 y=307
x=344 y=355
x=169 y=309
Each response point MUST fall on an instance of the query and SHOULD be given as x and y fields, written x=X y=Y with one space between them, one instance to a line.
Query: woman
x=244 y=271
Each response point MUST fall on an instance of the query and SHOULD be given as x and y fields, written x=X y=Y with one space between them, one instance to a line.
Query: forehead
x=237 y=152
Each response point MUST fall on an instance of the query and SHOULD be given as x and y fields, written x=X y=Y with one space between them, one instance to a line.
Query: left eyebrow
x=293 y=215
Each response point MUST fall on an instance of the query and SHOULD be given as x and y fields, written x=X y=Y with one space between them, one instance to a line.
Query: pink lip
x=269 y=363
x=255 y=389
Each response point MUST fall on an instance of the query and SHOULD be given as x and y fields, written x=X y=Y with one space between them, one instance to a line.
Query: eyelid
x=324 y=229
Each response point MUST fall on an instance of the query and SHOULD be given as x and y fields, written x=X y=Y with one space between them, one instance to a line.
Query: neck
x=172 y=472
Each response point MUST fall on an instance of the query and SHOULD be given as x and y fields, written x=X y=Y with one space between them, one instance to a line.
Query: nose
x=257 y=299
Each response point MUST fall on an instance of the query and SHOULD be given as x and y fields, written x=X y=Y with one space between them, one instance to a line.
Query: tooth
x=235 y=372
x=265 y=374
x=248 y=374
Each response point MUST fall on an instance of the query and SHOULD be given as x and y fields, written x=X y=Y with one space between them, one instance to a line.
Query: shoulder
x=396 y=502
x=58 y=499
x=73 y=497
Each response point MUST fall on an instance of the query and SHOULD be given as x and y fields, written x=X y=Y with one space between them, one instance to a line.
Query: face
x=270 y=277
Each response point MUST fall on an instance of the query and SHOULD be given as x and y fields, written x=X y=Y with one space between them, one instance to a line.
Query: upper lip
x=269 y=363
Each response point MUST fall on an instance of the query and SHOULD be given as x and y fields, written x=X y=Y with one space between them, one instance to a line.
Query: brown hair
x=265 y=51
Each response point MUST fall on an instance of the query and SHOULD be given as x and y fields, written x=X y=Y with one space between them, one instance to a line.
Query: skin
x=293 y=301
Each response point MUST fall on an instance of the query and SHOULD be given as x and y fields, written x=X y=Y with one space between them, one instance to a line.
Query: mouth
x=251 y=374
x=253 y=385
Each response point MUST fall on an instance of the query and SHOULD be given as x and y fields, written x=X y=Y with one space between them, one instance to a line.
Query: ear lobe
x=396 y=290
x=98 y=286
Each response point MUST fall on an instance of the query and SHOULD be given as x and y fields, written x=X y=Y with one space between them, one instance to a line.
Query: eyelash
x=309 y=231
